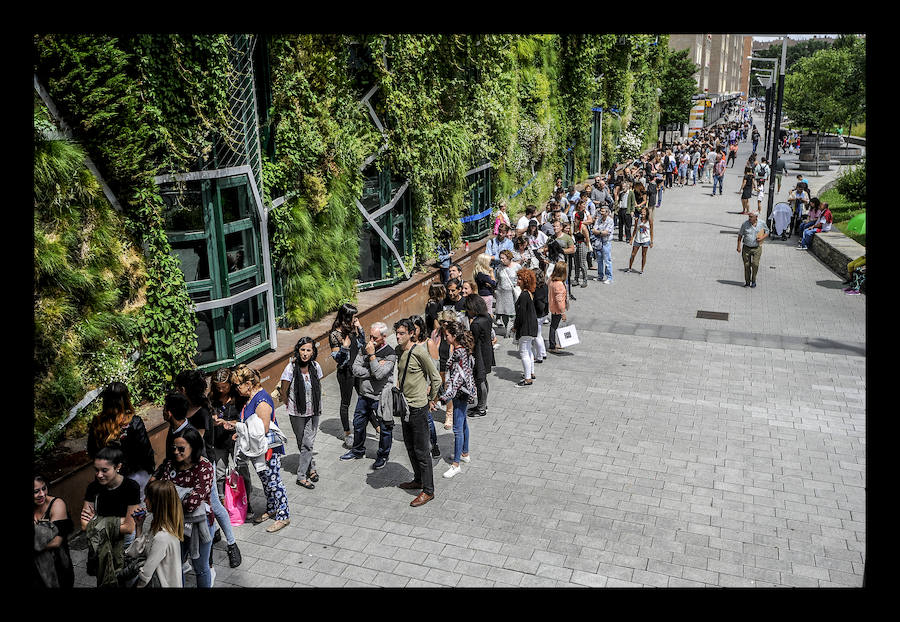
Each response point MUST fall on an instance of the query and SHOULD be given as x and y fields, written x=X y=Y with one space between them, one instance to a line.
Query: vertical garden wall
x=106 y=281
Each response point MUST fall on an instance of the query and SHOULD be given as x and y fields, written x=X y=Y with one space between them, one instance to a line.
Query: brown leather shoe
x=414 y=485
x=422 y=499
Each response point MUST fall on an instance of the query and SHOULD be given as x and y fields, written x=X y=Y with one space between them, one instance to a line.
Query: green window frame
x=229 y=285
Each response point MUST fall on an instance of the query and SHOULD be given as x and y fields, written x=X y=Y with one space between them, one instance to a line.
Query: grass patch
x=842 y=210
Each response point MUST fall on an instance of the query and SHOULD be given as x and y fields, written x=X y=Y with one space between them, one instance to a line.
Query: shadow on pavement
x=724 y=282
x=389 y=476
x=831 y=284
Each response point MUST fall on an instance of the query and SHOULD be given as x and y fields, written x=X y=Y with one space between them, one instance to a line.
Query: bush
x=852 y=184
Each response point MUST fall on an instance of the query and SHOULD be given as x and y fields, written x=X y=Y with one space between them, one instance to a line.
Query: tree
x=678 y=86
x=816 y=94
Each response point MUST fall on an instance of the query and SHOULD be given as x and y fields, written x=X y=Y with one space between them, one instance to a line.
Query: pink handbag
x=235 y=498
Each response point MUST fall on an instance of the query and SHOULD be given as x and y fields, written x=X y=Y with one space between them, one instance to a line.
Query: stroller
x=782 y=220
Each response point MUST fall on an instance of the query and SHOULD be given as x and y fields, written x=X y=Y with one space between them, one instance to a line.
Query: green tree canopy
x=678 y=86
x=816 y=93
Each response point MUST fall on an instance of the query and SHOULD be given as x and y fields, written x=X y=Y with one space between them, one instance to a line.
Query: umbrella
x=857 y=224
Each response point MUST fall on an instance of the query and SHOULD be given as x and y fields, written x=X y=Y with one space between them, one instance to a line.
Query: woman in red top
x=558 y=302
x=190 y=470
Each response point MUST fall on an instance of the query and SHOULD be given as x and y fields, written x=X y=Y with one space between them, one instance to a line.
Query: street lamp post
x=777 y=125
x=769 y=95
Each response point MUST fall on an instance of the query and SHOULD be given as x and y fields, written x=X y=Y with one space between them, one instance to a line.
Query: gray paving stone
x=706 y=465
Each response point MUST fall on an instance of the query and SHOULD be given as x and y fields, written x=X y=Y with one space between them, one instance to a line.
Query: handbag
x=400 y=407
x=235 y=497
x=567 y=336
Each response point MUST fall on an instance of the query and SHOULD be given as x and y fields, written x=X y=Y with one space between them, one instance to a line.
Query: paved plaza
x=663 y=450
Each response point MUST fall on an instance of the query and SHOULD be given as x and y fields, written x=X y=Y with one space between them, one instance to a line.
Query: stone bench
x=836 y=250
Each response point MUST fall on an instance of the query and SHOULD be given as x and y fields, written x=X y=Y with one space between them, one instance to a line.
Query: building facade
x=721 y=60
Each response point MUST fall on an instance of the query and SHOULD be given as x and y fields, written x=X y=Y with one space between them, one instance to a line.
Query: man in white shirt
x=522 y=224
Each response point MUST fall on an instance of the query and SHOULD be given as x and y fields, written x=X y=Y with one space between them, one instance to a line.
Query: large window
x=214 y=230
x=477 y=219
x=378 y=263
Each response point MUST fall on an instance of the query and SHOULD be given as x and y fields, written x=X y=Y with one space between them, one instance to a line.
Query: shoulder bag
x=400 y=407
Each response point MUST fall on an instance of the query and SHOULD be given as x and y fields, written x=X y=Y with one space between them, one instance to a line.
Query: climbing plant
x=143 y=105
x=322 y=135
x=89 y=280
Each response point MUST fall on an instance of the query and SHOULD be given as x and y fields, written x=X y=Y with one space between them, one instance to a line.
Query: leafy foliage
x=852 y=183
x=143 y=105
x=322 y=136
x=89 y=282
x=678 y=86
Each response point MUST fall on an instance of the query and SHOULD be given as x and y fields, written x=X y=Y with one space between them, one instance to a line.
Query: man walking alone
x=751 y=236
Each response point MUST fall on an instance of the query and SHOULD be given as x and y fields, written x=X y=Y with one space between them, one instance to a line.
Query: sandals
x=313 y=476
x=277 y=525
x=306 y=484
x=261 y=518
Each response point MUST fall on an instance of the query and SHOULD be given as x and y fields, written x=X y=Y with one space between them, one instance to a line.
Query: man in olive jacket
x=480 y=325
x=420 y=382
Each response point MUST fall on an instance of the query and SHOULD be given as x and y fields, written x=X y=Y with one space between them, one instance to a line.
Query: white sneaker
x=466 y=458
x=212 y=577
x=453 y=470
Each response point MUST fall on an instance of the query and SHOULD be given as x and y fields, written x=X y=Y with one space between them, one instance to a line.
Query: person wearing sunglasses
x=194 y=475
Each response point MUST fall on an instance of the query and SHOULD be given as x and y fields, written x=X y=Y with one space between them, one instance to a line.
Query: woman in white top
x=642 y=238
x=506 y=282
x=304 y=405
x=162 y=543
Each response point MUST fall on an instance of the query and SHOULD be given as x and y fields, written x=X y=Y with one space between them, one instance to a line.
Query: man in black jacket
x=480 y=325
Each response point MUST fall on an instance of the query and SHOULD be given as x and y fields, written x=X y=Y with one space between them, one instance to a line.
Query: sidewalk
x=663 y=450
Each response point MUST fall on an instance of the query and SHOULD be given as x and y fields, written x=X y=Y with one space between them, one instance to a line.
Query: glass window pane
x=193 y=257
x=247 y=313
x=206 y=346
x=369 y=254
x=183 y=207
x=239 y=250
x=235 y=203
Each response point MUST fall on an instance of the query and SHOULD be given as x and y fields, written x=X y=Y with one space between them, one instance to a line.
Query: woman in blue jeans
x=459 y=387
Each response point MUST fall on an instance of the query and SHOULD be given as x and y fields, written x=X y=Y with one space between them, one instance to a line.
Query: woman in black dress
x=748 y=186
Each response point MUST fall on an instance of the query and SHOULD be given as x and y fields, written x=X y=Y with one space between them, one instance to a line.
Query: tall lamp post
x=777 y=125
x=768 y=95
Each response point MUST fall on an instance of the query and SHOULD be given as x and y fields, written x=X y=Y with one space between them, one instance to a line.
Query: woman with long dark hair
x=118 y=423
x=189 y=470
x=345 y=339
x=301 y=382
x=459 y=389
x=52 y=526
x=436 y=295
x=192 y=384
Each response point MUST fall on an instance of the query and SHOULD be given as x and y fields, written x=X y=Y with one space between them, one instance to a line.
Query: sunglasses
x=178 y=449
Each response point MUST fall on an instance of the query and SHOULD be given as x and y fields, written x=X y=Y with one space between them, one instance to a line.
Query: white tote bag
x=567 y=336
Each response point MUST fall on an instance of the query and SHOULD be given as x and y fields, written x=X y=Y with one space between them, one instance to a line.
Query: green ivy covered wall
x=146 y=105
